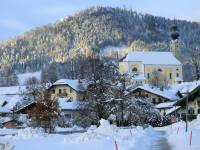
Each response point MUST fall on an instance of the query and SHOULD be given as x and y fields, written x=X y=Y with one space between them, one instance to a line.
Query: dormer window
x=134 y=69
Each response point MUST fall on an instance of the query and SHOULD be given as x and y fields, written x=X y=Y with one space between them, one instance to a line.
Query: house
x=192 y=94
x=162 y=99
x=69 y=93
x=167 y=108
x=72 y=89
x=9 y=97
x=155 y=95
x=143 y=64
x=7 y=122
x=69 y=110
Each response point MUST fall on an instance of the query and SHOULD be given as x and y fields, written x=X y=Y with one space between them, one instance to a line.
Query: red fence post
x=191 y=138
x=116 y=146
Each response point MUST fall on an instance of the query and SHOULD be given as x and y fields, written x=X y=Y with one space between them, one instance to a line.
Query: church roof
x=153 y=58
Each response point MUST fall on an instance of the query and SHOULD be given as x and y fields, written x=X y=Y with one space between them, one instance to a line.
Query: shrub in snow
x=29 y=133
x=6 y=146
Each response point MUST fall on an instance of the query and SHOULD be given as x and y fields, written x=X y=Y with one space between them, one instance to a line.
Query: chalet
x=69 y=93
x=69 y=110
x=156 y=95
x=192 y=94
x=143 y=64
x=72 y=89
x=167 y=108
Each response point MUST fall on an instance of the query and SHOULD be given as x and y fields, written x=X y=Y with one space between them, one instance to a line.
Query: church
x=143 y=64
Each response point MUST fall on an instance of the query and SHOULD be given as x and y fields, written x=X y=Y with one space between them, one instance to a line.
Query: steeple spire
x=175 y=44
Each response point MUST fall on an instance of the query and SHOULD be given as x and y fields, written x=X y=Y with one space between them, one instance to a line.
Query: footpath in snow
x=179 y=139
x=161 y=143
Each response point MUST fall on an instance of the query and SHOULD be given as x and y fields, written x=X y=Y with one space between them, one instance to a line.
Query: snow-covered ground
x=22 y=78
x=101 y=138
x=179 y=139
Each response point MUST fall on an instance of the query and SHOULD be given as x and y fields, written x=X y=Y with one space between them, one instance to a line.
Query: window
x=191 y=111
x=53 y=91
x=153 y=100
x=177 y=75
x=134 y=69
x=177 y=69
x=198 y=103
x=148 y=75
x=64 y=91
x=70 y=90
x=4 y=103
x=170 y=75
x=68 y=116
x=60 y=91
x=159 y=100
x=199 y=111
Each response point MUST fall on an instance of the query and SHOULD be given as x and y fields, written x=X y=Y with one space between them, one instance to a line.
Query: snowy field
x=102 y=138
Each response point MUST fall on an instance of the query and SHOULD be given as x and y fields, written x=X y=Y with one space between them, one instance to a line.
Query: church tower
x=175 y=44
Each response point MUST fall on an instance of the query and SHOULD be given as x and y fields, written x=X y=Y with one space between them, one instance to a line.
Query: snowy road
x=161 y=143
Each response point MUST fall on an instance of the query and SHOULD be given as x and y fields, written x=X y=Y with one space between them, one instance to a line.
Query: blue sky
x=18 y=16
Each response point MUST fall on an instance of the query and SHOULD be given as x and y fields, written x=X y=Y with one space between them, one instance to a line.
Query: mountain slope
x=90 y=31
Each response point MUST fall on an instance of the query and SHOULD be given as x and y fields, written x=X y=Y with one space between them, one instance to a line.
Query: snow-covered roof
x=65 y=104
x=153 y=58
x=11 y=95
x=12 y=90
x=5 y=110
x=5 y=119
x=11 y=100
x=166 y=93
x=185 y=87
x=75 y=84
x=165 y=105
x=171 y=110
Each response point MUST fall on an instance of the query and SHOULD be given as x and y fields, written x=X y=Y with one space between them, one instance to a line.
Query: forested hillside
x=89 y=31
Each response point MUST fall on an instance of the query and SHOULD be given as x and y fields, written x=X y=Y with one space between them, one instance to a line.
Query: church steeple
x=175 y=43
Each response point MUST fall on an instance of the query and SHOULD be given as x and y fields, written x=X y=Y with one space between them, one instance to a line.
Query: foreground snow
x=100 y=138
x=179 y=139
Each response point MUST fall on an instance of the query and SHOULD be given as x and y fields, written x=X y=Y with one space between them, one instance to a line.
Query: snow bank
x=101 y=138
x=74 y=128
x=28 y=133
x=180 y=140
x=128 y=138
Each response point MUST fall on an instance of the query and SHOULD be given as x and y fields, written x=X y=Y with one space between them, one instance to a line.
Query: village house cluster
x=170 y=101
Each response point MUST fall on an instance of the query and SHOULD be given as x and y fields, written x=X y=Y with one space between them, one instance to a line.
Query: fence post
x=191 y=138
x=116 y=146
